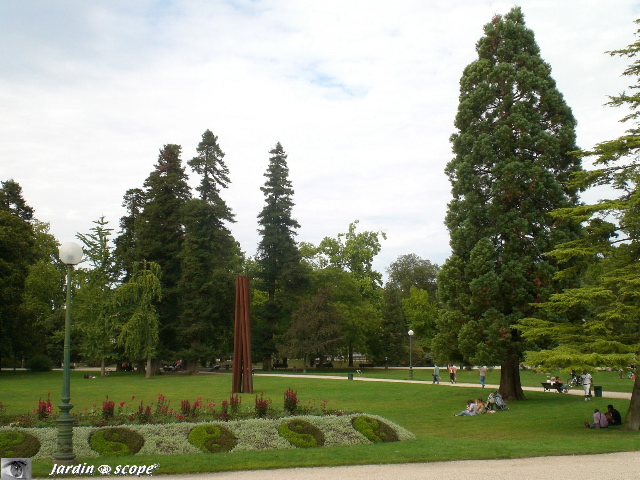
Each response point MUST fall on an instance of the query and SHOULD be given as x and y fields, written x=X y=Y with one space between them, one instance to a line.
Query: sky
x=362 y=95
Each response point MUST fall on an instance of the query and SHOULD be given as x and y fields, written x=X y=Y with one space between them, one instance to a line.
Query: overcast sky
x=361 y=94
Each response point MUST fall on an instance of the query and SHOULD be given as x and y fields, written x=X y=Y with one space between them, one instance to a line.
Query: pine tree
x=281 y=272
x=509 y=172
x=159 y=234
x=210 y=258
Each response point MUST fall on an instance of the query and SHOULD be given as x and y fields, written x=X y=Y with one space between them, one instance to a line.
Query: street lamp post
x=410 y=332
x=70 y=254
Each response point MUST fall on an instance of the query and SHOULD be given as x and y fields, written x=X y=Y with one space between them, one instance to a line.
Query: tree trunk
x=148 y=370
x=350 y=354
x=632 y=418
x=304 y=364
x=510 y=386
x=266 y=362
x=102 y=367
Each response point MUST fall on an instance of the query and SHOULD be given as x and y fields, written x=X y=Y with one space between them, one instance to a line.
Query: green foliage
x=301 y=434
x=606 y=301
x=375 y=430
x=510 y=171
x=39 y=363
x=17 y=444
x=212 y=438
x=139 y=330
x=116 y=441
x=159 y=234
x=280 y=271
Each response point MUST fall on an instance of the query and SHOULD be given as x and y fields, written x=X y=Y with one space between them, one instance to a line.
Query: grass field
x=545 y=424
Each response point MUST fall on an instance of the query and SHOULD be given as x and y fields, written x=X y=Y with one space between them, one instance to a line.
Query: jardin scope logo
x=85 y=469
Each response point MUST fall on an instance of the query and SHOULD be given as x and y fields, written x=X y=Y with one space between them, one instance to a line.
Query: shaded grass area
x=545 y=424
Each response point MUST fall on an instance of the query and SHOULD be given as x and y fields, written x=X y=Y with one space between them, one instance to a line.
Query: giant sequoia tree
x=511 y=165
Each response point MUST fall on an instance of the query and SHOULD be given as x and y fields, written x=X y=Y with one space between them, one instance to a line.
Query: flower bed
x=206 y=437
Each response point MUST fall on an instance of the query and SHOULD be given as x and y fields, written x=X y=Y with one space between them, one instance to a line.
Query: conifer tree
x=281 y=272
x=210 y=258
x=509 y=172
x=607 y=256
x=159 y=235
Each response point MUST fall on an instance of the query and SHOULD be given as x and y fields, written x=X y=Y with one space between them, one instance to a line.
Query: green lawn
x=545 y=424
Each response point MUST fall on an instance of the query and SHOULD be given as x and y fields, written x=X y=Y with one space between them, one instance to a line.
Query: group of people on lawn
x=474 y=407
x=603 y=420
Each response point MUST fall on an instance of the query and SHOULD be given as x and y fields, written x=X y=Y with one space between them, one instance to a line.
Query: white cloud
x=362 y=95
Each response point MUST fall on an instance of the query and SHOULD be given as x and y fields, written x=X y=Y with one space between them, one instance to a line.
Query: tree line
x=534 y=276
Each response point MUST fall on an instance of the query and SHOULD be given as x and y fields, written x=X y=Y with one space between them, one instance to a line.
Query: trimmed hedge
x=16 y=444
x=375 y=430
x=212 y=438
x=301 y=434
x=116 y=442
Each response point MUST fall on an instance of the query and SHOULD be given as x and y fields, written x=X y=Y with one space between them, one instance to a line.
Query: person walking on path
x=436 y=373
x=483 y=374
x=586 y=384
x=452 y=373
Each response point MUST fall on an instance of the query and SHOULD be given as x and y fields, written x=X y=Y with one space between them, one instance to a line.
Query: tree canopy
x=510 y=170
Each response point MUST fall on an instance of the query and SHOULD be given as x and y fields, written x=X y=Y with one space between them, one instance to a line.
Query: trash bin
x=350 y=375
x=597 y=390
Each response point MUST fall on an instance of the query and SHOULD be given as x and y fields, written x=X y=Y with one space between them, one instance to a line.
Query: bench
x=553 y=386
x=365 y=365
x=280 y=365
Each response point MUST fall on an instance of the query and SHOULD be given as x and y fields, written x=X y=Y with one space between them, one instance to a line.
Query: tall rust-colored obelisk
x=242 y=372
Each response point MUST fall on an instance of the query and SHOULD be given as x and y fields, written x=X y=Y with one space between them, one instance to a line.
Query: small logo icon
x=104 y=469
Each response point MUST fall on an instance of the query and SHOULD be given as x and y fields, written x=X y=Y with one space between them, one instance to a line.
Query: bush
x=301 y=434
x=212 y=438
x=375 y=430
x=14 y=444
x=112 y=442
x=39 y=363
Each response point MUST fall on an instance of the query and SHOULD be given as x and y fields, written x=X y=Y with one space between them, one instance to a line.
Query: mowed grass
x=544 y=424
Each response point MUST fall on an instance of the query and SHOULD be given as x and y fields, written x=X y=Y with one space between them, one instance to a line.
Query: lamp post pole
x=410 y=332
x=70 y=254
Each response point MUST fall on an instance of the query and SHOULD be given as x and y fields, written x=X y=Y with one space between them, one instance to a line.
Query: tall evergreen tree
x=510 y=170
x=607 y=300
x=126 y=250
x=210 y=258
x=281 y=272
x=159 y=235
x=16 y=255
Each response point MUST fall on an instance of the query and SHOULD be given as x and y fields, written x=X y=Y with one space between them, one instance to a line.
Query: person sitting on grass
x=599 y=420
x=613 y=416
x=471 y=410
x=480 y=406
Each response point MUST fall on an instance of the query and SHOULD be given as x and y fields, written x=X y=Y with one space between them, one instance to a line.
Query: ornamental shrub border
x=251 y=435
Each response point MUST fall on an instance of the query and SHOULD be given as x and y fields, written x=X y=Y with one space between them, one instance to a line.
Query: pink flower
x=94 y=405
x=132 y=397
x=122 y=404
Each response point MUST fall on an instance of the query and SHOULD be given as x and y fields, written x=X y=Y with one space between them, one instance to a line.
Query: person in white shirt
x=586 y=384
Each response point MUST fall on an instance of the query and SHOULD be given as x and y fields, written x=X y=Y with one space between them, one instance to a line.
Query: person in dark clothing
x=613 y=416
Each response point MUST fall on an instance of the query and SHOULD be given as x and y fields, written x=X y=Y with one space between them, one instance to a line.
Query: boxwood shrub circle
x=301 y=434
x=115 y=442
x=212 y=438
x=15 y=444
x=374 y=429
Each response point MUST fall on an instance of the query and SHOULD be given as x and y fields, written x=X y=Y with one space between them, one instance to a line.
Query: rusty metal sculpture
x=242 y=371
